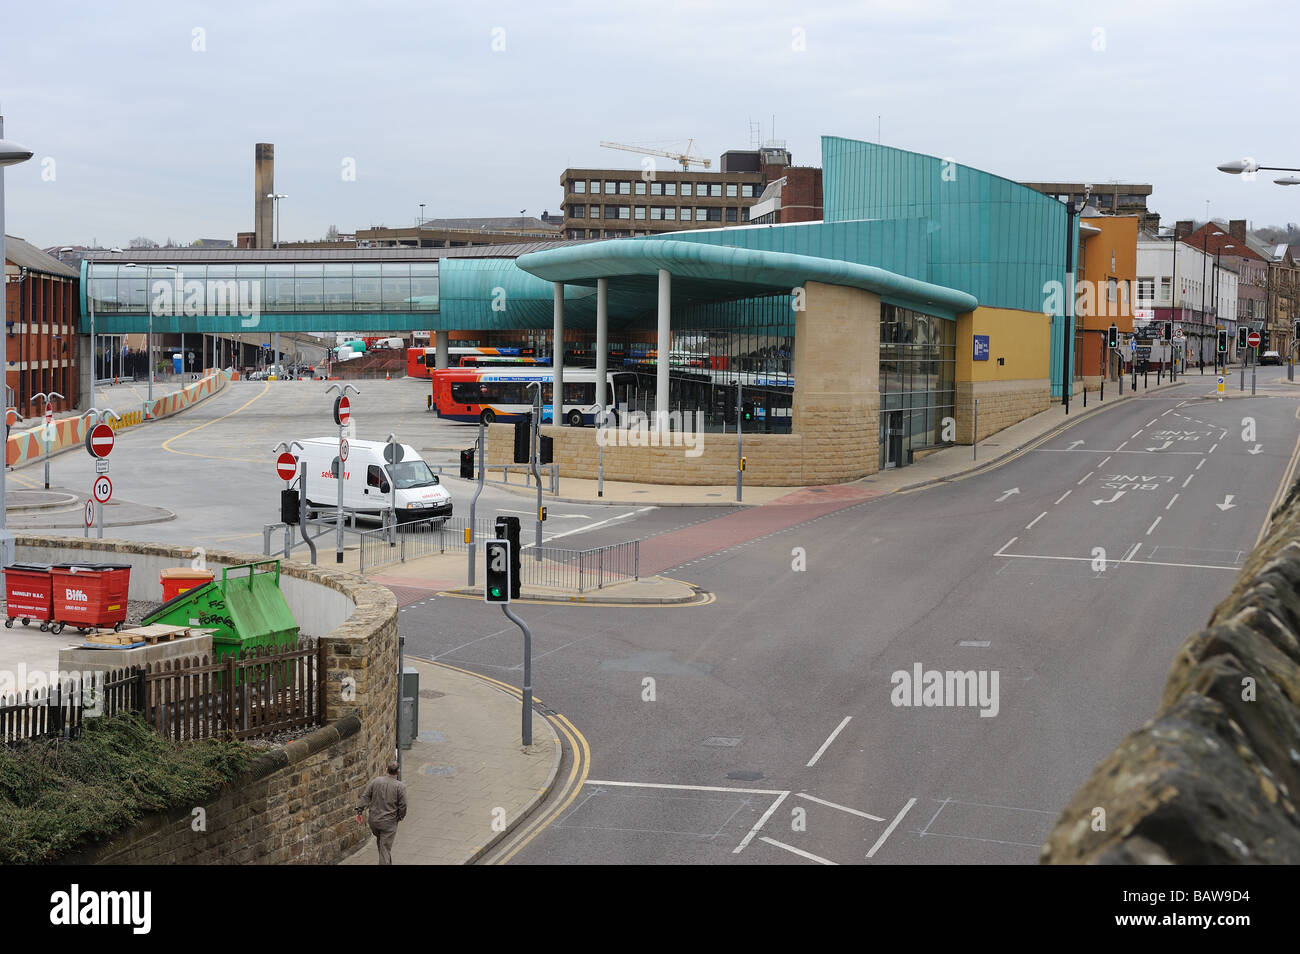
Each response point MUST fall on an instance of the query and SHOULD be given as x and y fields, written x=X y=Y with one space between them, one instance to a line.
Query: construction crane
x=685 y=158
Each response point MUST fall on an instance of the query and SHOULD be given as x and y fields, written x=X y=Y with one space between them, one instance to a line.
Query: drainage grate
x=721 y=741
x=744 y=776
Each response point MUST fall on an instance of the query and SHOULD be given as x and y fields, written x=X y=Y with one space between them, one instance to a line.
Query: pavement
x=470 y=781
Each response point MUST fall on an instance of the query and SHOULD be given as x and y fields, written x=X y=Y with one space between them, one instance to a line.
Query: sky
x=143 y=115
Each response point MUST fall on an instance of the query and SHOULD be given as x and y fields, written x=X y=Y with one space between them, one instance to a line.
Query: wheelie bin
x=29 y=592
x=176 y=580
x=89 y=595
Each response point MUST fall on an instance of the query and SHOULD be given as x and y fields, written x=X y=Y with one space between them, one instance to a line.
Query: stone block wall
x=1002 y=403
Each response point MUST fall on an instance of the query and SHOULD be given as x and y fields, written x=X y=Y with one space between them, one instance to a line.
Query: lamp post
x=276 y=197
x=149 y=344
x=421 y=222
x=1071 y=211
x=10 y=154
x=1214 y=295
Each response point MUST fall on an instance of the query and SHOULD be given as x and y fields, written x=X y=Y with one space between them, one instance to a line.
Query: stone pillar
x=557 y=358
x=440 y=354
x=837 y=389
x=664 y=346
x=602 y=340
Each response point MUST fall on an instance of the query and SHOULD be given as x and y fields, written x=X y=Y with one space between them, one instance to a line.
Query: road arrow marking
x=1118 y=494
x=1160 y=448
x=1227 y=503
x=1074 y=444
x=1007 y=493
x=1258 y=448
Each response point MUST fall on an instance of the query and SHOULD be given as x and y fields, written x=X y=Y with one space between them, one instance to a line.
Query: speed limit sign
x=343 y=449
x=90 y=513
x=103 y=489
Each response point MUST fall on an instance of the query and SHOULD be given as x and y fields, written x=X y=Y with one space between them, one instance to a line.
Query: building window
x=1110 y=289
x=578 y=211
x=625 y=188
x=733 y=215
x=580 y=186
x=640 y=212
x=656 y=212
x=593 y=233
x=747 y=190
x=701 y=215
x=624 y=212
x=731 y=190
x=1146 y=289
x=670 y=188
x=595 y=187
x=670 y=213
x=656 y=188
x=610 y=186
x=715 y=215
x=1165 y=287
x=715 y=189
x=640 y=187
x=686 y=188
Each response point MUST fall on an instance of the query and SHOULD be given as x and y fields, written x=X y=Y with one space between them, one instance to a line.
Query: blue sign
x=981 y=347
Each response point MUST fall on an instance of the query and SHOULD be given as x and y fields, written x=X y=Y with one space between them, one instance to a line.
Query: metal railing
x=583 y=570
x=526 y=469
x=419 y=538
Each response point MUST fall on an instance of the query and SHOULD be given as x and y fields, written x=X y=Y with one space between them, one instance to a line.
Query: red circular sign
x=286 y=465
x=100 y=440
x=1253 y=339
x=342 y=411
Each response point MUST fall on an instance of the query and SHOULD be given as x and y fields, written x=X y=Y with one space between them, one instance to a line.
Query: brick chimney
x=1183 y=228
x=1237 y=229
x=263 y=184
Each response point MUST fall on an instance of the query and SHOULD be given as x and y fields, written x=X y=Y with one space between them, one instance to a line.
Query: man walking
x=386 y=798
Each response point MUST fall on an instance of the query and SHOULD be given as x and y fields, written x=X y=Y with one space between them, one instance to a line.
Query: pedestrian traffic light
x=729 y=410
x=1223 y=342
x=1264 y=338
x=545 y=449
x=467 y=463
x=523 y=439
x=1295 y=330
x=1241 y=336
x=497 y=580
x=507 y=528
x=747 y=411
x=1167 y=331
x=1112 y=337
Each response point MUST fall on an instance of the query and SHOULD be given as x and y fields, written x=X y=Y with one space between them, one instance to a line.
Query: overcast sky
x=143 y=115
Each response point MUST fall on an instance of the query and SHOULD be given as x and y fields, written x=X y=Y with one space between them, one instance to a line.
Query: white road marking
x=1103 y=463
x=1035 y=520
x=1062 y=497
x=1134 y=435
x=1211 y=450
x=760 y=823
x=1129 y=556
x=1121 y=446
x=799 y=851
x=1153 y=525
x=1175 y=496
x=1200 y=464
x=1086 y=476
x=593 y=526
x=892 y=825
x=829 y=739
x=1124 y=562
x=1007 y=544
x=974 y=644
x=843 y=808
x=687 y=788
x=1152 y=421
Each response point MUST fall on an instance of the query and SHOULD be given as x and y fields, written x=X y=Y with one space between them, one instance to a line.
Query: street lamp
x=276 y=197
x=90 y=302
x=1237 y=166
x=1214 y=295
x=149 y=308
x=421 y=225
x=10 y=154
x=1071 y=211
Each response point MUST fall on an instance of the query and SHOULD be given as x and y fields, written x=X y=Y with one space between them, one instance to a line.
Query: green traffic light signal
x=496 y=591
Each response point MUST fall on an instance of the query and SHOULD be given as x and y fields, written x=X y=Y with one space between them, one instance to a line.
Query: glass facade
x=285 y=288
x=918 y=362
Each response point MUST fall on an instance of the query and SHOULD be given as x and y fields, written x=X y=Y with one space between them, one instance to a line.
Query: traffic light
x=1241 y=337
x=1295 y=330
x=545 y=449
x=1223 y=342
x=729 y=410
x=1112 y=337
x=290 y=509
x=747 y=412
x=507 y=528
x=467 y=463
x=498 y=584
x=523 y=439
x=1167 y=331
x=1264 y=338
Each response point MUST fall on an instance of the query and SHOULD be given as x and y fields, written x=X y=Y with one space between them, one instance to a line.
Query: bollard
x=1085 y=395
x=1103 y=390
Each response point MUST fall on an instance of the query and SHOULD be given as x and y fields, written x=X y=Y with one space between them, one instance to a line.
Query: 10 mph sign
x=102 y=489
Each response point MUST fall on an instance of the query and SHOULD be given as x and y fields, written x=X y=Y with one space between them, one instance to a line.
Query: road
x=768 y=730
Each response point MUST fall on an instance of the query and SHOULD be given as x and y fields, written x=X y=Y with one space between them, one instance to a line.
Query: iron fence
x=419 y=538
x=581 y=570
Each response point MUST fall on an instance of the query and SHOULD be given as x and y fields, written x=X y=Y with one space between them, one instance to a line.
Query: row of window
x=658 y=213
x=746 y=190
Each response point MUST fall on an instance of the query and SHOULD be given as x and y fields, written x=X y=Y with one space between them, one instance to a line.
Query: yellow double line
x=580 y=768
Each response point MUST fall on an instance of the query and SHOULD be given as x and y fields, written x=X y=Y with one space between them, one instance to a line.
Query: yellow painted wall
x=1022 y=338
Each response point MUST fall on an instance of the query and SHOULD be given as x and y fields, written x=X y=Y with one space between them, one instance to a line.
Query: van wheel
x=488 y=416
x=575 y=419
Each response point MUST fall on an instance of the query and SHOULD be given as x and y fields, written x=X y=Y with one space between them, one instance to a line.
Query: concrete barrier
x=1213 y=778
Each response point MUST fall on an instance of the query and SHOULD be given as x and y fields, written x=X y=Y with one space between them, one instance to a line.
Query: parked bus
x=421 y=362
x=503 y=394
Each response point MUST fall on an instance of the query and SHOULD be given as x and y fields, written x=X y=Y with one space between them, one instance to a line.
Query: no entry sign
x=286 y=465
x=342 y=410
x=1252 y=339
x=99 y=440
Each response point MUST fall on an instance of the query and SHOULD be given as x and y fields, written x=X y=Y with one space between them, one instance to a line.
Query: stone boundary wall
x=1213 y=777
x=296 y=804
x=1002 y=403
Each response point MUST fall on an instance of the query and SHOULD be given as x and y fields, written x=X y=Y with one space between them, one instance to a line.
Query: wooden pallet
x=143 y=635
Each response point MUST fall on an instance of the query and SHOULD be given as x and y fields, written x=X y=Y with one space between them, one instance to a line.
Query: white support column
x=662 y=346
x=557 y=358
x=440 y=341
x=602 y=340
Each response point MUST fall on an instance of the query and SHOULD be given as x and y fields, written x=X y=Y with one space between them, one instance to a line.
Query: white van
x=368 y=480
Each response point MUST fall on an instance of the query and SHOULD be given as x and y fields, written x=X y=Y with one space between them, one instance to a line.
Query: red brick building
x=40 y=322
